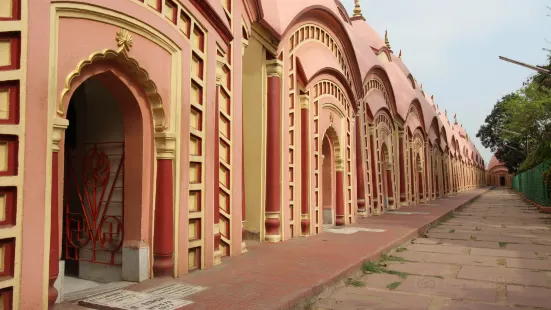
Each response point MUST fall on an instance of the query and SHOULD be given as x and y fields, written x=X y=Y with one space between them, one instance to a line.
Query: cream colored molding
x=220 y=63
x=265 y=38
x=120 y=20
x=274 y=68
x=304 y=101
x=124 y=43
x=217 y=254
x=60 y=124
x=165 y=144
x=244 y=44
x=273 y=238
x=339 y=166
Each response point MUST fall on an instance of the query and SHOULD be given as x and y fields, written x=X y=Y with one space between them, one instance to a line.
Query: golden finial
x=421 y=85
x=446 y=113
x=455 y=118
x=387 y=43
x=400 y=55
x=124 y=40
x=357 y=9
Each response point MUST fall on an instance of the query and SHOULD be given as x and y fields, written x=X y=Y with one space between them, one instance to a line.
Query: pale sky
x=452 y=47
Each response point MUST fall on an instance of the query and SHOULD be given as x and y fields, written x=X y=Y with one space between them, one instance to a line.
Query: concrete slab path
x=493 y=254
x=293 y=273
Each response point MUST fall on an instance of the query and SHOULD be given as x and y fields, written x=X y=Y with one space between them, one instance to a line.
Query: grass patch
x=501 y=262
x=393 y=285
x=478 y=229
x=503 y=244
x=373 y=267
x=356 y=283
x=473 y=238
x=452 y=231
x=392 y=258
x=401 y=249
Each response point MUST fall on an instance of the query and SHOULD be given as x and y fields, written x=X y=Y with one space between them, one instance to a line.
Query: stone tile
x=465 y=305
x=527 y=235
x=447 y=230
x=365 y=298
x=502 y=253
x=426 y=269
x=453 y=288
x=380 y=280
x=471 y=243
x=453 y=236
x=535 y=264
x=425 y=241
x=540 y=241
x=500 y=238
x=529 y=296
x=530 y=248
x=470 y=260
x=438 y=249
x=503 y=275
x=412 y=256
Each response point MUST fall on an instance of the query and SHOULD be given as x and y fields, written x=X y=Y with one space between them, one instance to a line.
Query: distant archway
x=332 y=179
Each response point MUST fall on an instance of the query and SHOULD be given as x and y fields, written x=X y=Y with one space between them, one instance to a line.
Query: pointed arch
x=415 y=111
x=434 y=133
x=318 y=19
x=377 y=79
x=129 y=65
x=334 y=138
x=344 y=87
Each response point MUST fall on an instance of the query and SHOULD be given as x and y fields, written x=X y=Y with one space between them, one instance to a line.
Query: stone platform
x=495 y=254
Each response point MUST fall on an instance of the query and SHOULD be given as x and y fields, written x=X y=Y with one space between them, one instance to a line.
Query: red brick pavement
x=282 y=275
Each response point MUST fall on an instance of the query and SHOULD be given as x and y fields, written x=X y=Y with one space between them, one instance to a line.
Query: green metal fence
x=530 y=183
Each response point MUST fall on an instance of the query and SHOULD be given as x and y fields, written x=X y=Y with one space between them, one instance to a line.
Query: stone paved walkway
x=282 y=275
x=494 y=254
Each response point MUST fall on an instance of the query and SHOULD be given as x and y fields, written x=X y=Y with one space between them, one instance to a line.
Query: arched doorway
x=101 y=182
x=501 y=181
x=328 y=182
x=419 y=166
x=386 y=173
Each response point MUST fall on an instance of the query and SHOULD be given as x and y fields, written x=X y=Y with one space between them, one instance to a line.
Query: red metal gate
x=93 y=227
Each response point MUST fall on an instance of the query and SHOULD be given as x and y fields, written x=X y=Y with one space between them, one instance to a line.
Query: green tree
x=491 y=134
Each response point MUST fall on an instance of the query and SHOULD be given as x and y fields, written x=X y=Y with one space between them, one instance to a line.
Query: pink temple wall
x=158 y=64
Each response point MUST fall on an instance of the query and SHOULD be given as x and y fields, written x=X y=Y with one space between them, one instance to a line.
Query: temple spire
x=357 y=9
x=387 y=43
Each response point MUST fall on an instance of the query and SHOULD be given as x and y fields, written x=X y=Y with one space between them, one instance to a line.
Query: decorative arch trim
x=338 y=76
x=124 y=41
x=334 y=138
x=377 y=78
x=330 y=88
x=333 y=107
x=383 y=116
x=383 y=54
x=415 y=110
x=346 y=56
x=411 y=80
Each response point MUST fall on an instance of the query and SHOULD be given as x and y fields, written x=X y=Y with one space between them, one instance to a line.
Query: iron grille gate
x=94 y=204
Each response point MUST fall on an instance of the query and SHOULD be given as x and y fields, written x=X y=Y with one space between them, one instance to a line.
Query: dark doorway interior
x=501 y=181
